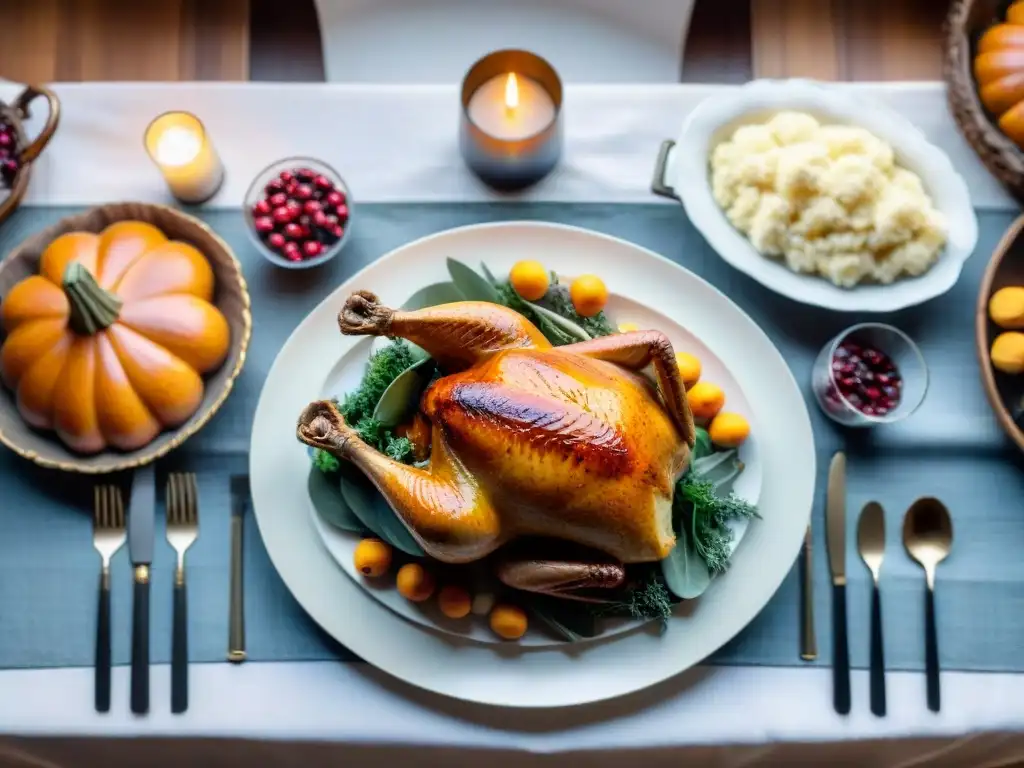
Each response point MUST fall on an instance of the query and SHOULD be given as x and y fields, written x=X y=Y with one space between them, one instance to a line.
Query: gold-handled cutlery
x=182 y=530
x=808 y=639
x=108 y=536
x=871 y=544
x=928 y=537
x=236 y=617
x=835 y=535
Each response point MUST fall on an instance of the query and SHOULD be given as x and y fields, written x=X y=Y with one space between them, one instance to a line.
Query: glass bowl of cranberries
x=298 y=211
x=870 y=374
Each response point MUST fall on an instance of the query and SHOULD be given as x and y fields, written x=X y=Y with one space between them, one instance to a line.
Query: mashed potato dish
x=826 y=199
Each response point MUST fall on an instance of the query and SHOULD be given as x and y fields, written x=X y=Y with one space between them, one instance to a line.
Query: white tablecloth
x=398 y=143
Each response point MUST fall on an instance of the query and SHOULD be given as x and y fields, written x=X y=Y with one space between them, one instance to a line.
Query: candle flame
x=511 y=92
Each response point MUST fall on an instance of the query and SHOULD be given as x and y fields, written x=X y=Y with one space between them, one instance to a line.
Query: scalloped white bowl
x=714 y=120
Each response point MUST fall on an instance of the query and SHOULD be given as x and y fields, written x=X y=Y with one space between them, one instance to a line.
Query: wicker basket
x=966 y=21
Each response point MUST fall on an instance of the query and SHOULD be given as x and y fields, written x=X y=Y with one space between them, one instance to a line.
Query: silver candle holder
x=510 y=131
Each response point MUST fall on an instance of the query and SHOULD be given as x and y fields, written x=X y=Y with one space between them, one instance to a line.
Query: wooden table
x=729 y=40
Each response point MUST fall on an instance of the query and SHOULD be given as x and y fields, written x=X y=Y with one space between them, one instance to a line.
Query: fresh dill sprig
x=647 y=598
x=557 y=299
x=710 y=515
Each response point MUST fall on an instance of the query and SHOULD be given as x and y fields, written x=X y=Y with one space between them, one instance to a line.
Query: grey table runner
x=950 y=448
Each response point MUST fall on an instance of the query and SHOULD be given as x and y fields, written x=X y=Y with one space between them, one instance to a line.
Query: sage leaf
x=686 y=574
x=488 y=274
x=329 y=505
x=701 y=446
x=567 y=326
x=376 y=514
x=570 y=620
x=401 y=398
x=432 y=295
x=472 y=286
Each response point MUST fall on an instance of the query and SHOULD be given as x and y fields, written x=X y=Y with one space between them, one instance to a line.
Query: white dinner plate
x=509 y=674
x=717 y=117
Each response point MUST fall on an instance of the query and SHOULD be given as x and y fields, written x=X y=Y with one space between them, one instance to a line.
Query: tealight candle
x=510 y=134
x=180 y=148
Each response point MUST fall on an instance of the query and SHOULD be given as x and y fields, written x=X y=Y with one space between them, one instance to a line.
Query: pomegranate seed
x=312 y=248
x=283 y=215
x=276 y=240
x=264 y=224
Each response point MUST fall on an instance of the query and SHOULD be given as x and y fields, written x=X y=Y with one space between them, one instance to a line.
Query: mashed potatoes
x=826 y=199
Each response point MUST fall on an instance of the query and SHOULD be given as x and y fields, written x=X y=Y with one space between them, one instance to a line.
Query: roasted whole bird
x=528 y=442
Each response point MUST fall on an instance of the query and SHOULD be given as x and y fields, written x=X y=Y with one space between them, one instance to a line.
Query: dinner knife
x=236 y=618
x=835 y=533
x=141 y=525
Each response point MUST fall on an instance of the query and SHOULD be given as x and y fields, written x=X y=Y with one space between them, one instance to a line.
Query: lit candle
x=511 y=107
x=510 y=134
x=180 y=148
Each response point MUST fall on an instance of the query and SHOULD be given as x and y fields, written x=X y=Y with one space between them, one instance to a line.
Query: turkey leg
x=441 y=505
x=456 y=335
x=576 y=580
x=636 y=350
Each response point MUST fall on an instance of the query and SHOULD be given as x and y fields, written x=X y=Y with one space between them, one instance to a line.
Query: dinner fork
x=108 y=536
x=182 y=530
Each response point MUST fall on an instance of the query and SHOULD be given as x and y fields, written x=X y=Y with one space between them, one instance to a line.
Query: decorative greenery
x=558 y=300
x=647 y=598
x=325 y=462
x=710 y=514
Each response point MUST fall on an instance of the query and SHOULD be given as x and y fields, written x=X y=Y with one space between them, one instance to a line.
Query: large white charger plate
x=714 y=121
x=508 y=674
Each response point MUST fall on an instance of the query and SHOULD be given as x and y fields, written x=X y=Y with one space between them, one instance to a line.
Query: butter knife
x=835 y=534
x=141 y=529
x=808 y=639
x=236 y=618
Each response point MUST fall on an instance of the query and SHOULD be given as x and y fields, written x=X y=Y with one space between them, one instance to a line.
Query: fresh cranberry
x=291 y=251
x=304 y=174
x=295 y=207
x=262 y=208
x=320 y=219
x=342 y=212
x=6 y=140
x=303 y=192
x=277 y=200
x=276 y=240
x=274 y=186
x=293 y=231
x=312 y=206
x=323 y=182
x=264 y=224
x=312 y=248
x=286 y=176
x=283 y=215
x=338 y=231
x=334 y=199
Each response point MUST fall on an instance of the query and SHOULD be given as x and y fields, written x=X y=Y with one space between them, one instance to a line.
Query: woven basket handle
x=21 y=106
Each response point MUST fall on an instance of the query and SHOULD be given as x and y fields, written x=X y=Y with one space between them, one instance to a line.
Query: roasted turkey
x=529 y=442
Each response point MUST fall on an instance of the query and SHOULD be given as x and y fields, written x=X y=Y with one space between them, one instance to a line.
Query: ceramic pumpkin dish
x=108 y=343
x=999 y=71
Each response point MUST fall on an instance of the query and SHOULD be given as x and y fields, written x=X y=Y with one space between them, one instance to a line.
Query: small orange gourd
x=108 y=343
x=999 y=72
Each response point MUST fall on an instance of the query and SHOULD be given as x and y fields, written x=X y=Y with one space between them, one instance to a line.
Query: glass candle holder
x=510 y=132
x=869 y=374
x=178 y=144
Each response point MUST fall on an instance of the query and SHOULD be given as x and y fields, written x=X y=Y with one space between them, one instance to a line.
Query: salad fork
x=108 y=536
x=182 y=530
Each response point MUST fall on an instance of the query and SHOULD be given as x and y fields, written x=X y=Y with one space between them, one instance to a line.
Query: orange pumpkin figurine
x=107 y=345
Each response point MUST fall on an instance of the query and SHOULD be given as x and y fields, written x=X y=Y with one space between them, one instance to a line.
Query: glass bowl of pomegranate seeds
x=298 y=211
x=870 y=374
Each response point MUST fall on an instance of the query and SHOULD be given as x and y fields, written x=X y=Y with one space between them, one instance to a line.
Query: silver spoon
x=871 y=544
x=928 y=537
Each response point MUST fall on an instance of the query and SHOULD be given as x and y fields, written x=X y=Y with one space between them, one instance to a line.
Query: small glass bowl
x=905 y=356
x=256 y=193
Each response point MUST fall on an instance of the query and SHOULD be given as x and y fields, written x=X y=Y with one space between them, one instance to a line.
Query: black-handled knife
x=141 y=529
x=835 y=534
